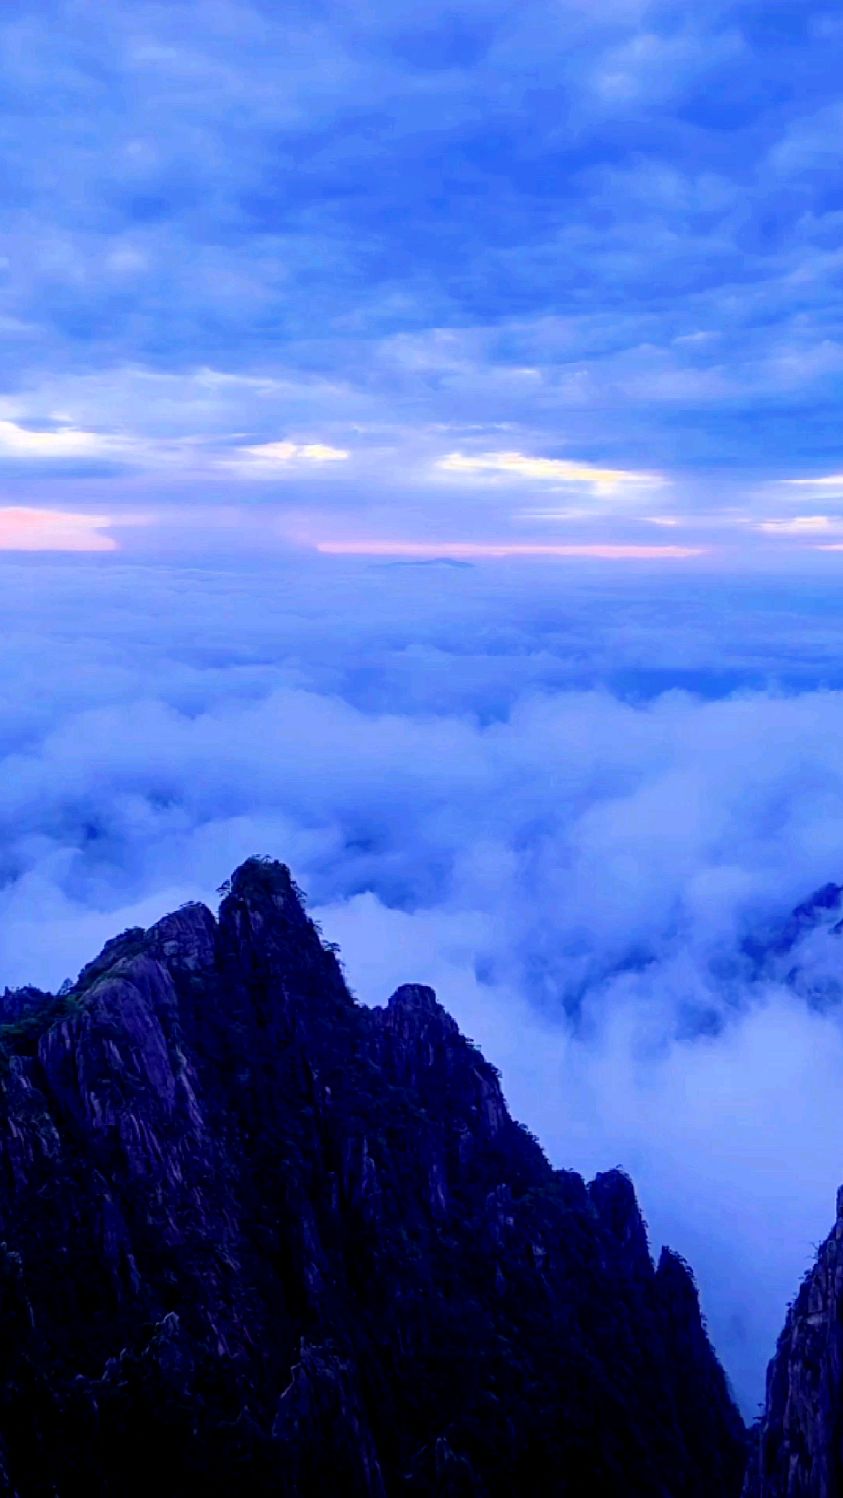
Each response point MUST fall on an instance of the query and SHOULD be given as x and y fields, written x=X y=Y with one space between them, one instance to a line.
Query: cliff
x=797 y=1450
x=255 y=1237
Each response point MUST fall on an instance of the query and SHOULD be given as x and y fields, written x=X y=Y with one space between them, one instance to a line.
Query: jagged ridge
x=259 y=1238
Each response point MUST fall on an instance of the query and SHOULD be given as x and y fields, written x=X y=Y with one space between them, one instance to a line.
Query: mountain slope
x=798 y=1447
x=255 y=1237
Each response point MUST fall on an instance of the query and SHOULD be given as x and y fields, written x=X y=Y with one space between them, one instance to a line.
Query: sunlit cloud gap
x=270 y=456
x=555 y=470
x=481 y=549
x=307 y=452
x=63 y=442
x=799 y=525
x=828 y=481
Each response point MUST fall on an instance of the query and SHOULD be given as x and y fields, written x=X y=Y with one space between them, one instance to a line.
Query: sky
x=545 y=274
x=421 y=461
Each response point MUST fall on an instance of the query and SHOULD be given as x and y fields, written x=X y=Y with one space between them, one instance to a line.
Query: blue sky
x=546 y=274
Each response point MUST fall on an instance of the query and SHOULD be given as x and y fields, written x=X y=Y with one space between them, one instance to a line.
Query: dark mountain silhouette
x=797 y=1447
x=256 y=1238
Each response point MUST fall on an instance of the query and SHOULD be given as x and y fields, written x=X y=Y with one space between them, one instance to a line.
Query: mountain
x=256 y=1237
x=797 y=1450
x=804 y=952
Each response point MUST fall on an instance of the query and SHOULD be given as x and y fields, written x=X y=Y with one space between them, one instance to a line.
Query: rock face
x=797 y=1451
x=257 y=1238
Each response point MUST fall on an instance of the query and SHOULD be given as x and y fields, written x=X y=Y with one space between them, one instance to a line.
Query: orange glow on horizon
x=479 y=549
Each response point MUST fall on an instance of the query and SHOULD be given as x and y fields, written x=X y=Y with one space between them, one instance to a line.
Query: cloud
x=61 y=442
x=23 y=529
x=490 y=779
x=249 y=235
x=556 y=470
x=797 y=525
x=827 y=481
x=604 y=551
x=272 y=455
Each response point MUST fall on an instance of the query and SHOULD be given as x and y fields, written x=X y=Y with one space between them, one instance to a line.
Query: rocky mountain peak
x=264 y=930
x=612 y=1195
x=264 y=883
x=186 y=940
x=257 y=1237
x=677 y=1280
x=417 y=997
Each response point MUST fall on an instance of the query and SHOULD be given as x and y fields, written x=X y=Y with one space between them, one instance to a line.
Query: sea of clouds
x=570 y=801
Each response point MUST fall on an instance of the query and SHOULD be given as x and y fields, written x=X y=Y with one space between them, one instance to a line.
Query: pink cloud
x=481 y=549
x=24 y=529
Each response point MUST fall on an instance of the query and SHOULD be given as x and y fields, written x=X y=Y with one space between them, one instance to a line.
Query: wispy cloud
x=267 y=459
x=798 y=525
x=20 y=441
x=479 y=549
x=547 y=470
x=826 y=481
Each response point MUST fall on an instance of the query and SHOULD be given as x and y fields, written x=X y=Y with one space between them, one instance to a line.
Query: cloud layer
x=568 y=807
x=556 y=243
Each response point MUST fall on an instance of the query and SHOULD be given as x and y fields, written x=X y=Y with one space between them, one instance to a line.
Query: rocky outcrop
x=797 y=1448
x=255 y=1237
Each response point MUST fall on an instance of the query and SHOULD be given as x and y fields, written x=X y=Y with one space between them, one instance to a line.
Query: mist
x=574 y=802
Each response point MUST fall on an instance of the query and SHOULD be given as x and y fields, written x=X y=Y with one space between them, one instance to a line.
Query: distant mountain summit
x=256 y=1238
x=821 y=912
x=805 y=952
